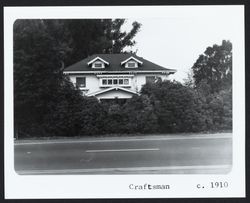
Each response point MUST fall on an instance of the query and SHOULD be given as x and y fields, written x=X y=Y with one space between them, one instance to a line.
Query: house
x=111 y=76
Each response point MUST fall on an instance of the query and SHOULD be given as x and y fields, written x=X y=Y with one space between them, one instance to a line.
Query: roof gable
x=131 y=58
x=96 y=59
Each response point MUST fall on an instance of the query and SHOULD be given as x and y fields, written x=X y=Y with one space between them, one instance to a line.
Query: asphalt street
x=192 y=154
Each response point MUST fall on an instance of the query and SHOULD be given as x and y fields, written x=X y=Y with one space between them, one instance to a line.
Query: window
x=104 y=82
x=110 y=82
x=131 y=64
x=125 y=81
x=98 y=64
x=115 y=82
x=150 y=79
x=120 y=81
x=81 y=82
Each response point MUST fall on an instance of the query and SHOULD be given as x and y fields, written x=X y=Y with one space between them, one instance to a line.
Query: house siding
x=93 y=85
x=92 y=82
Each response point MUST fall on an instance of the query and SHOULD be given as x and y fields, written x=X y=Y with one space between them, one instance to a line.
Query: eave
x=122 y=72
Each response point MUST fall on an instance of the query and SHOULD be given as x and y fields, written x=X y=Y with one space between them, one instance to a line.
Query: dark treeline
x=47 y=104
x=163 y=107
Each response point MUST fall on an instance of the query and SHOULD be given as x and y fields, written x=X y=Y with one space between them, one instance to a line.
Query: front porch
x=114 y=93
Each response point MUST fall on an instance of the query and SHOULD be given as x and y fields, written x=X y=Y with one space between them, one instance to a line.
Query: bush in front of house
x=92 y=117
x=217 y=109
x=162 y=107
x=175 y=106
x=180 y=108
x=135 y=116
x=139 y=115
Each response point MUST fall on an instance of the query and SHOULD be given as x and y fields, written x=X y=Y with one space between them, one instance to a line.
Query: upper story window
x=80 y=82
x=131 y=62
x=98 y=62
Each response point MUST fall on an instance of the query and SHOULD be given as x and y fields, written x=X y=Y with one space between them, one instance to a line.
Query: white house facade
x=114 y=76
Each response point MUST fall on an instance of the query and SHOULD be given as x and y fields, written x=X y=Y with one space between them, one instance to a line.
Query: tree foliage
x=87 y=37
x=45 y=101
x=140 y=116
x=47 y=104
x=212 y=74
x=214 y=67
x=175 y=106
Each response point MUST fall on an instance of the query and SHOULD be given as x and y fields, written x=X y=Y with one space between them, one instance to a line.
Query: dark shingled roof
x=115 y=64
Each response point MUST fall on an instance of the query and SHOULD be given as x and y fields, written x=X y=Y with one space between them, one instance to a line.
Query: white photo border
x=117 y=186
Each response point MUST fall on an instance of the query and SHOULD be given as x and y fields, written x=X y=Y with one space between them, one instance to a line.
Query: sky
x=177 y=42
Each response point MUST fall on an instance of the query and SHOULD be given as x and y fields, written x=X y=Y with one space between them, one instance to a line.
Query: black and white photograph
x=118 y=96
x=86 y=102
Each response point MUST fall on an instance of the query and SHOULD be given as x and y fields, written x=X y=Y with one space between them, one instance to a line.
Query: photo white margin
x=116 y=186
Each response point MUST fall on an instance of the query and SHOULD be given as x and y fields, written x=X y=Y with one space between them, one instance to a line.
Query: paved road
x=143 y=155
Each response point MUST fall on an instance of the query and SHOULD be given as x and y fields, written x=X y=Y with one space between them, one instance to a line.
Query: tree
x=37 y=75
x=45 y=101
x=212 y=73
x=215 y=66
x=189 y=81
x=89 y=37
x=122 y=39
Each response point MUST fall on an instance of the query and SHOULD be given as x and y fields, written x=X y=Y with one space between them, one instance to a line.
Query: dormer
x=131 y=62
x=98 y=62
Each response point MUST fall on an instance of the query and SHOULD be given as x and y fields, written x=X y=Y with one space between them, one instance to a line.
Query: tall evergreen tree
x=90 y=36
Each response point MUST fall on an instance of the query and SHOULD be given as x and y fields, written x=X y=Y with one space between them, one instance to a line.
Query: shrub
x=140 y=116
x=176 y=106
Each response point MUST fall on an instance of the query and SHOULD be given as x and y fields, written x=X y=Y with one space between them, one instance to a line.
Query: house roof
x=114 y=61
